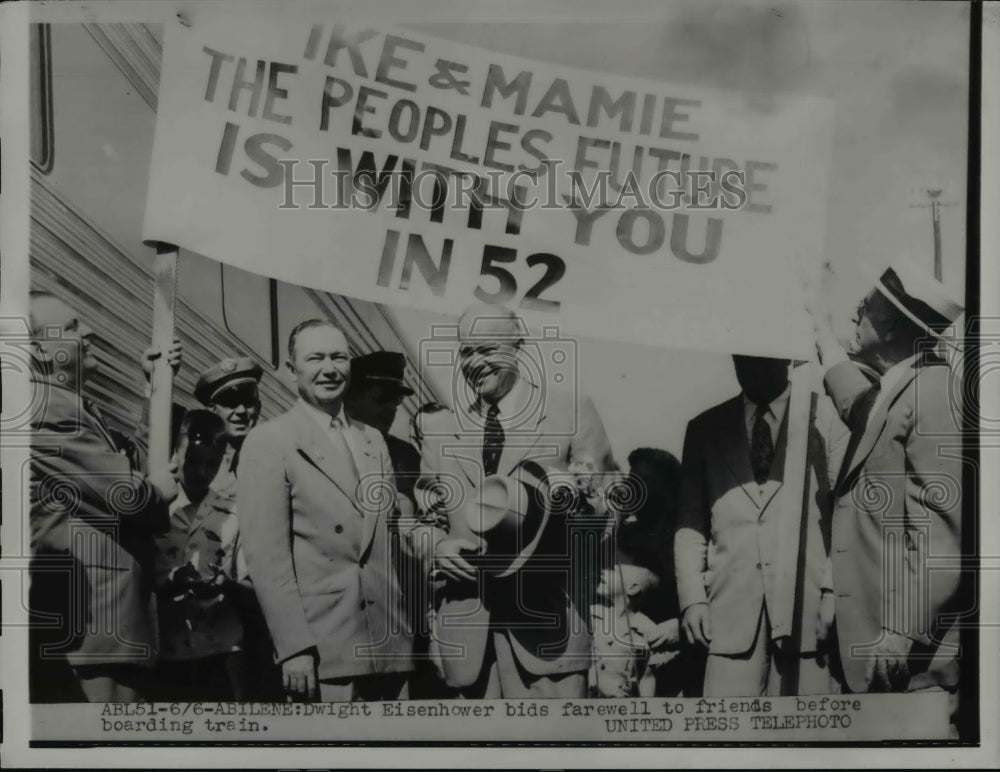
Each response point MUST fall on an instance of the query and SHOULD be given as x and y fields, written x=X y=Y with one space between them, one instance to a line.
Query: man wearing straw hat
x=898 y=499
x=511 y=620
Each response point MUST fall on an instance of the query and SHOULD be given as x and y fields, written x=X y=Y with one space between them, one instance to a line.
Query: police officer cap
x=230 y=372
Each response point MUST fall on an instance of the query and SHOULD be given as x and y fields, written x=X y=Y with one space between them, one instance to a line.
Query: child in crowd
x=201 y=576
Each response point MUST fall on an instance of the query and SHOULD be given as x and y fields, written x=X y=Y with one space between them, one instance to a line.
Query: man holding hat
x=898 y=500
x=376 y=390
x=515 y=630
x=229 y=389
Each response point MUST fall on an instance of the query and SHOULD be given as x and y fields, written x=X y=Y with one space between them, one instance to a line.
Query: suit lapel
x=372 y=476
x=328 y=452
x=735 y=448
x=517 y=447
x=874 y=428
x=96 y=420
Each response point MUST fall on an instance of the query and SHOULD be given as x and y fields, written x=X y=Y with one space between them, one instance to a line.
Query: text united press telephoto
x=548 y=376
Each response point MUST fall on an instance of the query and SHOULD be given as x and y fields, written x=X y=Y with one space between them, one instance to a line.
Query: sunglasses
x=234 y=398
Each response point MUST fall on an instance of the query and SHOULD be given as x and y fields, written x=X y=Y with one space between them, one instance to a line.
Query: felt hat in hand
x=511 y=516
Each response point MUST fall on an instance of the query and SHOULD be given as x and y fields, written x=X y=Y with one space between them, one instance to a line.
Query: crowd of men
x=316 y=556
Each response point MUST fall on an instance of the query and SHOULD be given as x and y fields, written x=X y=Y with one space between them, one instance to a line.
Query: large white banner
x=430 y=174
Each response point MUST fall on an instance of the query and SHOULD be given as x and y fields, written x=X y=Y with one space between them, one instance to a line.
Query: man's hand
x=666 y=635
x=165 y=481
x=298 y=674
x=183 y=577
x=824 y=626
x=152 y=353
x=695 y=624
x=888 y=670
x=449 y=557
x=828 y=348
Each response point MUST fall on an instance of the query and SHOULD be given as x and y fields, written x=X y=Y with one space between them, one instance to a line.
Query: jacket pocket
x=326 y=584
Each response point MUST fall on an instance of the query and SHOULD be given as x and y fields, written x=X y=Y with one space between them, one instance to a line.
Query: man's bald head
x=483 y=320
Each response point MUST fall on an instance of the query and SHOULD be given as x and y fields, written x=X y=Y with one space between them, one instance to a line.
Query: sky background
x=896 y=72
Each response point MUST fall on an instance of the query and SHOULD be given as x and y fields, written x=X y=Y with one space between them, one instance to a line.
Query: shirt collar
x=512 y=402
x=894 y=374
x=775 y=408
x=325 y=420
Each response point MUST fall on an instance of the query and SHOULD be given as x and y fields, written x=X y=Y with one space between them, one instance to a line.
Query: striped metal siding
x=71 y=258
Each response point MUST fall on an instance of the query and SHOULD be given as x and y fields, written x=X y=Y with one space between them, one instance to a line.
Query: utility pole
x=934 y=194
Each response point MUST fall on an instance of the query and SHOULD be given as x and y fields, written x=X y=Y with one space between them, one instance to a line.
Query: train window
x=249 y=311
x=42 y=140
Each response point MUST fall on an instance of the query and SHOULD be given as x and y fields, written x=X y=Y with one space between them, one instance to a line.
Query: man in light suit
x=897 y=518
x=726 y=549
x=93 y=517
x=524 y=635
x=316 y=496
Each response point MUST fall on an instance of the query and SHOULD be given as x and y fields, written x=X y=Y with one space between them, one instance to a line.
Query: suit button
x=363 y=604
x=758 y=566
x=339 y=528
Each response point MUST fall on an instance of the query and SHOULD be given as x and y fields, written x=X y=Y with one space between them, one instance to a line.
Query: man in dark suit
x=897 y=517
x=524 y=635
x=376 y=391
x=727 y=550
x=93 y=517
x=316 y=497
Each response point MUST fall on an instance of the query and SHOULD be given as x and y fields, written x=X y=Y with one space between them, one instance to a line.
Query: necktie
x=492 y=441
x=339 y=435
x=761 y=446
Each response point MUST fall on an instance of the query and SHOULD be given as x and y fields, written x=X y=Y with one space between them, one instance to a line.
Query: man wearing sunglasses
x=229 y=389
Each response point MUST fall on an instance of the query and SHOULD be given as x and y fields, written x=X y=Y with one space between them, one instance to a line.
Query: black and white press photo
x=543 y=375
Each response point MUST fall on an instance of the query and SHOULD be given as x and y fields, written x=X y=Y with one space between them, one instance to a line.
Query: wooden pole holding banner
x=795 y=509
x=161 y=381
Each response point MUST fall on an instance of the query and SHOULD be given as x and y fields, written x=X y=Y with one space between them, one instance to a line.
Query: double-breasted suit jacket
x=897 y=521
x=316 y=531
